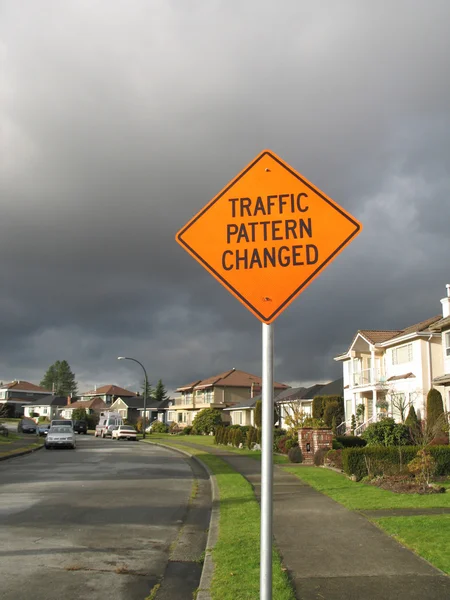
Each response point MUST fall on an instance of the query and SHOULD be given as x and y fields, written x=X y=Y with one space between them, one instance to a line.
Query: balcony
x=367 y=377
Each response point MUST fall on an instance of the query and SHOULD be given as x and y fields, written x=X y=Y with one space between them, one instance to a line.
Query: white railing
x=359 y=430
x=367 y=377
x=342 y=428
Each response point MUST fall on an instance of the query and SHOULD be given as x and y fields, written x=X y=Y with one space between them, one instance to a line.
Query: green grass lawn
x=427 y=536
x=360 y=496
x=208 y=440
x=236 y=555
x=11 y=437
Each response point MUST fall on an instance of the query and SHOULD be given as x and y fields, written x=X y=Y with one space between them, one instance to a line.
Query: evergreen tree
x=59 y=379
x=160 y=392
x=150 y=391
x=258 y=413
x=435 y=408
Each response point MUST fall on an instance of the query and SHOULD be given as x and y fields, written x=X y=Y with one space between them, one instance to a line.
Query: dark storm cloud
x=121 y=120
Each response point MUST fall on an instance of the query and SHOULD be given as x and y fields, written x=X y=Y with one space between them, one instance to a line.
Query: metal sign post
x=267 y=463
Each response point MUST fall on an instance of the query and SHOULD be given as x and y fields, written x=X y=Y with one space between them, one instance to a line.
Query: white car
x=60 y=436
x=124 y=432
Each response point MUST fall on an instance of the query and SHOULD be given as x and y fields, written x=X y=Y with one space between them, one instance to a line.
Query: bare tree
x=294 y=415
x=401 y=402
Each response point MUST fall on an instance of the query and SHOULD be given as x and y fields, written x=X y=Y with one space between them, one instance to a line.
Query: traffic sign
x=267 y=235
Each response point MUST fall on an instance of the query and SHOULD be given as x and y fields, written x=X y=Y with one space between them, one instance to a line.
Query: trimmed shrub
x=277 y=435
x=281 y=445
x=250 y=437
x=291 y=443
x=332 y=411
x=207 y=420
x=159 y=427
x=258 y=413
x=351 y=441
x=435 y=408
x=378 y=460
x=319 y=456
x=317 y=407
x=295 y=455
x=238 y=438
x=387 y=433
x=337 y=445
x=258 y=436
x=412 y=420
x=334 y=459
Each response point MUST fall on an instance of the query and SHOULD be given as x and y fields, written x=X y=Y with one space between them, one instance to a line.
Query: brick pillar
x=310 y=440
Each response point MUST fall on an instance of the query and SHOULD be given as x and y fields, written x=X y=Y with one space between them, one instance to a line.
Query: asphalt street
x=96 y=522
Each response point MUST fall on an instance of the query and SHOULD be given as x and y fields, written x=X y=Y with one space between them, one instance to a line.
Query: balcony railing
x=367 y=377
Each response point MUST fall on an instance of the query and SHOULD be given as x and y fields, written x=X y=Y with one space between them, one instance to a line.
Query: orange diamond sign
x=267 y=235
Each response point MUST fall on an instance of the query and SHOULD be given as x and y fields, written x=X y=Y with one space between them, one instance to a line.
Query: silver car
x=60 y=436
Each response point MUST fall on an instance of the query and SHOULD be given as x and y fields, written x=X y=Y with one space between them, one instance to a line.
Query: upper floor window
x=209 y=396
x=188 y=398
x=402 y=354
x=447 y=343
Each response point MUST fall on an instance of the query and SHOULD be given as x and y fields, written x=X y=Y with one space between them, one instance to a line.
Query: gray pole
x=145 y=389
x=266 y=463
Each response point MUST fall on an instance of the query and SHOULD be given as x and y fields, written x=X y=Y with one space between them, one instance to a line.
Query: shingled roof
x=109 y=390
x=232 y=378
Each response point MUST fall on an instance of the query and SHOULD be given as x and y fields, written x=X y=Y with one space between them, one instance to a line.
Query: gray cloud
x=120 y=121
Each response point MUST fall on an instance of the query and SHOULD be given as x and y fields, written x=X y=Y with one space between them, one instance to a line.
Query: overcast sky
x=120 y=120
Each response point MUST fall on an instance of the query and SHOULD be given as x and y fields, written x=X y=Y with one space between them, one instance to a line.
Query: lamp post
x=145 y=389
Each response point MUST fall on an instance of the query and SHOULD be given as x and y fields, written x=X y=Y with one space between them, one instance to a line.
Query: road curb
x=204 y=589
x=29 y=451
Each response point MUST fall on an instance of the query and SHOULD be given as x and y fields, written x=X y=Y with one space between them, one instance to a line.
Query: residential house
x=384 y=370
x=220 y=391
x=14 y=395
x=108 y=393
x=94 y=406
x=442 y=381
x=47 y=406
x=301 y=399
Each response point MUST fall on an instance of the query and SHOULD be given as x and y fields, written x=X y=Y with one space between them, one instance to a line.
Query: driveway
x=97 y=522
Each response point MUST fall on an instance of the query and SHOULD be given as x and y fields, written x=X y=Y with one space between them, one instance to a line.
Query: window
x=238 y=418
x=180 y=417
x=447 y=343
x=402 y=354
x=209 y=396
x=187 y=398
x=171 y=415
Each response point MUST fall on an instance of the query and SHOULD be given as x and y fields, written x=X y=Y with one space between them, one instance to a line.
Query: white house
x=48 y=406
x=384 y=369
x=442 y=381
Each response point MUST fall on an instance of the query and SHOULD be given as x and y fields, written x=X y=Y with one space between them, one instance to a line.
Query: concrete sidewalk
x=332 y=553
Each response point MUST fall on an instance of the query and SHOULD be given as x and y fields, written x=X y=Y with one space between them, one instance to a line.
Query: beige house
x=220 y=391
x=108 y=393
x=94 y=406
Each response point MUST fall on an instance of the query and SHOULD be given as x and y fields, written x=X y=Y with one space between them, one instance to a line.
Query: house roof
x=110 y=390
x=49 y=401
x=291 y=394
x=383 y=336
x=232 y=378
x=334 y=388
x=24 y=386
x=398 y=377
x=443 y=323
x=97 y=401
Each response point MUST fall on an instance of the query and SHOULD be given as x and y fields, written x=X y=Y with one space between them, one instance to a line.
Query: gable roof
x=291 y=394
x=96 y=401
x=232 y=378
x=49 y=401
x=24 y=386
x=383 y=336
x=110 y=390
x=334 y=388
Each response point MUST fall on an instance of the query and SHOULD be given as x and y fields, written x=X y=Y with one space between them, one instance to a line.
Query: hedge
x=350 y=441
x=382 y=460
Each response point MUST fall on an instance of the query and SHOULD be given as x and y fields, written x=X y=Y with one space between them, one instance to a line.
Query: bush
x=174 y=428
x=351 y=441
x=92 y=420
x=295 y=455
x=435 y=408
x=159 y=427
x=423 y=467
x=317 y=407
x=332 y=410
x=187 y=430
x=207 y=420
x=238 y=438
x=334 y=459
x=319 y=456
x=337 y=445
x=281 y=445
x=251 y=437
x=277 y=435
x=387 y=433
x=379 y=460
x=291 y=443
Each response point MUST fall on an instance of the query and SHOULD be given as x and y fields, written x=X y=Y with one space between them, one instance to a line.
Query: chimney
x=69 y=400
x=446 y=303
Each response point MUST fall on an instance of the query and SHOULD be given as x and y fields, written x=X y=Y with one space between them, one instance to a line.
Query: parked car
x=43 y=428
x=27 y=426
x=80 y=427
x=124 y=432
x=60 y=436
x=62 y=422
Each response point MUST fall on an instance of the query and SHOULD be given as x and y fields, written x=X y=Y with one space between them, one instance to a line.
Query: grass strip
x=208 y=441
x=361 y=496
x=236 y=554
x=426 y=535
x=20 y=450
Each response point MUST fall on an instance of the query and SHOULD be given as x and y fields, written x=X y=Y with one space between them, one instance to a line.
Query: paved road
x=95 y=523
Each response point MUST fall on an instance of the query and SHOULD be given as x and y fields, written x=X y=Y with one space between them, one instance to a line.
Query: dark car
x=43 y=428
x=27 y=426
x=80 y=427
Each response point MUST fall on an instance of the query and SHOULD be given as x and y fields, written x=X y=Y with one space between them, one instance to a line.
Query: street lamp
x=145 y=388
